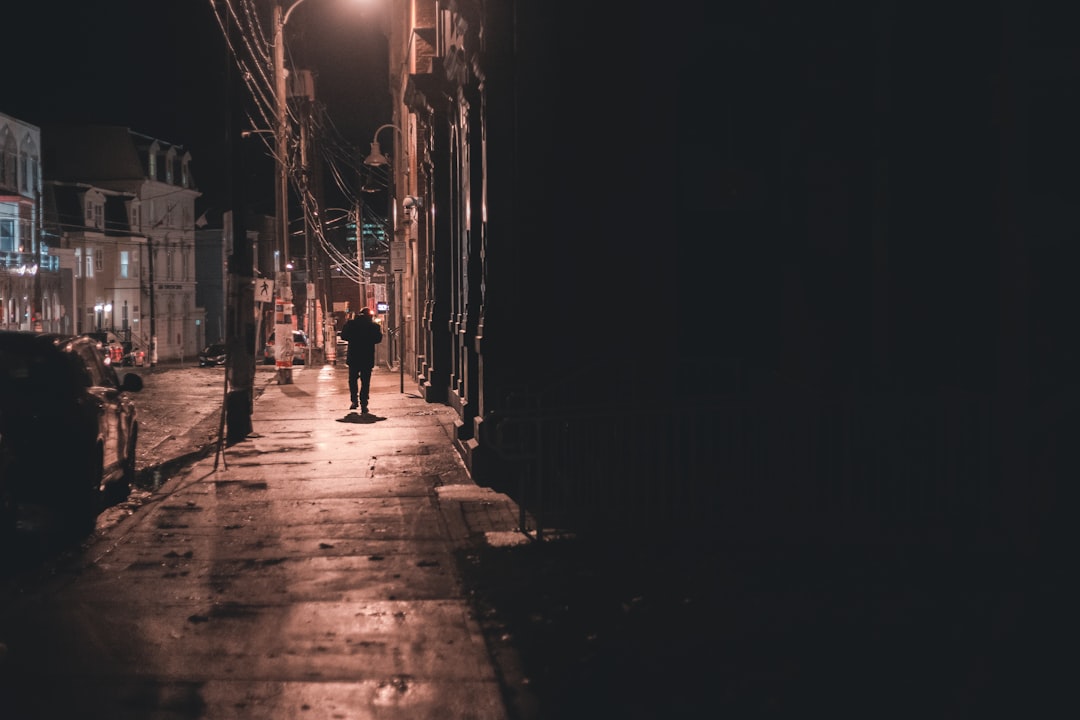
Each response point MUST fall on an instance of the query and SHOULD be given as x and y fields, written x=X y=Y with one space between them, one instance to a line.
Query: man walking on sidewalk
x=363 y=334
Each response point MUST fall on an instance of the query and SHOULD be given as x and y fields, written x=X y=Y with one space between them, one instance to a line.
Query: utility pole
x=283 y=284
x=303 y=86
x=240 y=318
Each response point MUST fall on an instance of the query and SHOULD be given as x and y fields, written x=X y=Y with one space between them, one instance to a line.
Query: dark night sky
x=159 y=68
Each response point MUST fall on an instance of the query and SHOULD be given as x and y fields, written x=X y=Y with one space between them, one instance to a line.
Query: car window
x=94 y=366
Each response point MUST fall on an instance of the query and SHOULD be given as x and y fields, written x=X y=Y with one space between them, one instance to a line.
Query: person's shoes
x=353 y=406
x=363 y=410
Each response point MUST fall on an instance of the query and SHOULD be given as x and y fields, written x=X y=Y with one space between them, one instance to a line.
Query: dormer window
x=95 y=210
x=170 y=161
x=185 y=171
x=9 y=157
x=28 y=177
x=152 y=159
x=134 y=214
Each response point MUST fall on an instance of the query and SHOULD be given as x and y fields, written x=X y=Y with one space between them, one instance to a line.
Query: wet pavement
x=306 y=572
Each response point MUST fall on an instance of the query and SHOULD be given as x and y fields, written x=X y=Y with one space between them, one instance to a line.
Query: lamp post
x=397 y=265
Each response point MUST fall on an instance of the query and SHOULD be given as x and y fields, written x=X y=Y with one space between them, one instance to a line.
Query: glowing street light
x=377 y=158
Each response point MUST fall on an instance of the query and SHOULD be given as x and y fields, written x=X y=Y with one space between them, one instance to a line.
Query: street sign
x=397 y=256
x=264 y=290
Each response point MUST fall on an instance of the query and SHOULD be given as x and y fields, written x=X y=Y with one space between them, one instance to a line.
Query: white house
x=134 y=241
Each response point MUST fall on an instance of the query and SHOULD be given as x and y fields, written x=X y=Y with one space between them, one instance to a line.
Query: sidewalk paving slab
x=307 y=572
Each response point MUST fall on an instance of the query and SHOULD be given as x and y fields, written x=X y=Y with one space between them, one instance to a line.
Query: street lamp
x=377 y=158
x=283 y=10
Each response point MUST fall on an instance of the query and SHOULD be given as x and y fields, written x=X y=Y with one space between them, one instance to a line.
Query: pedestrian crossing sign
x=264 y=290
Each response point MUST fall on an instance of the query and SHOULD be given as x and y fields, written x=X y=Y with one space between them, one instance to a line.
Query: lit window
x=89 y=262
x=124 y=263
x=78 y=262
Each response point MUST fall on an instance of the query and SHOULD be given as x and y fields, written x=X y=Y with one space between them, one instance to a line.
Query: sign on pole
x=264 y=290
x=397 y=255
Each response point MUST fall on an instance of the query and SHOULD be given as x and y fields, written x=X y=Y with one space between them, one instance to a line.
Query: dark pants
x=359 y=376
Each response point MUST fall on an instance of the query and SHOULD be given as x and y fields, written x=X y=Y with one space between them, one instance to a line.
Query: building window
x=7 y=235
x=169 y=264
x=185 y=175
x=125 y=259
x=78 y=262
x=89 y=262
x=153 y=164
x=3 y=166
x=8 y=158
x=89 y=211
x=99 y=261
x=99 y=216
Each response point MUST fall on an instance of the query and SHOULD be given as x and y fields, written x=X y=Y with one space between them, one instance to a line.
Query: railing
x=760 y=469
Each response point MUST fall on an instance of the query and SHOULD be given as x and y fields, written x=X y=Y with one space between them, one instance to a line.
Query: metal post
x=153 y=310
x=401 y=333
x=360 y=249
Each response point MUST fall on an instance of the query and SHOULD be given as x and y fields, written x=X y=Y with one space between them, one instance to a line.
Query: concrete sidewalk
x=307 y=572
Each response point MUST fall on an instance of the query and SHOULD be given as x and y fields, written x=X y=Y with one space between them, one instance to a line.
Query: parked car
x=300 y=341
x=111 y=346
x=68 y=422
x=212 y=355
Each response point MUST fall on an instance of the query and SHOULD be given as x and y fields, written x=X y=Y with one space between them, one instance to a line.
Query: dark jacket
x=362 y=334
